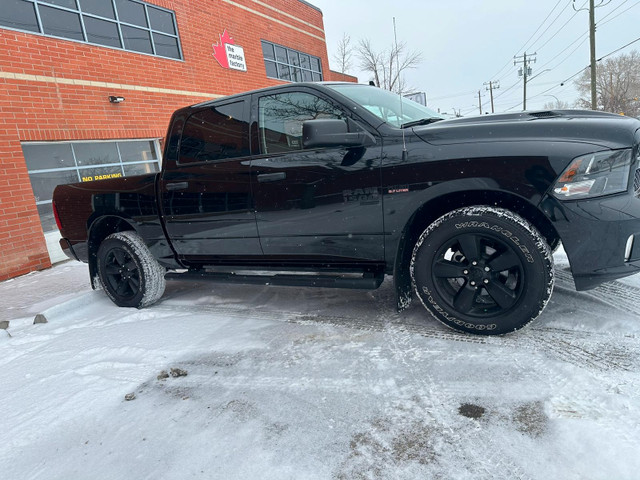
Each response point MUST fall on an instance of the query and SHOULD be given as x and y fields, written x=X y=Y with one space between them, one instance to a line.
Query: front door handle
x=271 y=177
x=177 y=186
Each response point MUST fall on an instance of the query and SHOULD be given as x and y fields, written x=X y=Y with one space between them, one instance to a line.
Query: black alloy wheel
x=478 y=275
x=483 y=270
x=122 y=274
x=128 y=272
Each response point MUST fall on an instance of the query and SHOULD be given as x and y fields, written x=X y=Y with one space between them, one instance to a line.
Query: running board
x=365 y=282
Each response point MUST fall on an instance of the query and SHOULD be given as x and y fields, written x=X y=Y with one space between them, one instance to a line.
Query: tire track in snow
x=597 y=351
x=615 y=294
x=600 y=353
x=479 y=451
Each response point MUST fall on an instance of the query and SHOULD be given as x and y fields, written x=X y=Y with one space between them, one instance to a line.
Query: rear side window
x=215 y=134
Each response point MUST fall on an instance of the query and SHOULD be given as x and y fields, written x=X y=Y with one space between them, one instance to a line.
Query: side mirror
x=328 y=132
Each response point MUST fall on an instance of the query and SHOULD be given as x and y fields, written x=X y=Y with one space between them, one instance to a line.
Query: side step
x=364 y=282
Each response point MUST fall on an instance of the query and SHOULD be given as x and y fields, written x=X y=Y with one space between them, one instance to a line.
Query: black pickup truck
x=338 y=185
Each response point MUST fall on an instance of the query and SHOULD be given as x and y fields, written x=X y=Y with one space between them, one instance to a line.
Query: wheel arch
x=100 y=229
x=433 y=209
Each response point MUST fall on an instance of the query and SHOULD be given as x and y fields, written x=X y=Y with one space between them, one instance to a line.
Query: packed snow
x=249 y=382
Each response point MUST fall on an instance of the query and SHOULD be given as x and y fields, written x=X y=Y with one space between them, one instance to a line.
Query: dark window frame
x=119 y=24
x=284 y=69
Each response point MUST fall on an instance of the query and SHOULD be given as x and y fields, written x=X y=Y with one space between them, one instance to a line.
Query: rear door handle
x=177 y=186
x=271 y=177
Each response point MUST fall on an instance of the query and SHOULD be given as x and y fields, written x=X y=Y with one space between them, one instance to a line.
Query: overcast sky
x=465 y=43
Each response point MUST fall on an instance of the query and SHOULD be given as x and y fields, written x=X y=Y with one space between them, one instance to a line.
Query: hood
x=583 y=126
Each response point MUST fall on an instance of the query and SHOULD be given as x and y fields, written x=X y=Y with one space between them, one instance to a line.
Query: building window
x=55 y=163
x=287 y=64
x=127 y=24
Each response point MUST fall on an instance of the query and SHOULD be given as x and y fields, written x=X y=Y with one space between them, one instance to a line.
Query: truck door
x=313 y=202
x=206 y=199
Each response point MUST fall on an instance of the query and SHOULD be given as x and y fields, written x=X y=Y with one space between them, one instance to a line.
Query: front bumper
x=596 y=235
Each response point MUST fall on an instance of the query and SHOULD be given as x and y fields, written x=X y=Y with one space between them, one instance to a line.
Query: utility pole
x=491 y=86
x=592 y=43
x=525 y=72
x=479 y=102
x=592 y=40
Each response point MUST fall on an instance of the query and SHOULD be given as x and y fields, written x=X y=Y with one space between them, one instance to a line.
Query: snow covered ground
x=294 y=383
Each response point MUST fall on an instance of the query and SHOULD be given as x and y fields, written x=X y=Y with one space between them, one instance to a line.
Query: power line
x=570 y=53
x=543 y=22
x=534 y=33
x=562 y=84
x=551 y=25
x=613 y=11
x=559 y=30
x=547 y=29
x=618 y=49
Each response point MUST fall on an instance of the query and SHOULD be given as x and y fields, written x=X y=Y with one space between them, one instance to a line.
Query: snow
x=301 y=383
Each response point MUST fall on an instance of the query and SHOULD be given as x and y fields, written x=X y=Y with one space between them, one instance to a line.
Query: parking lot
x=274 y=382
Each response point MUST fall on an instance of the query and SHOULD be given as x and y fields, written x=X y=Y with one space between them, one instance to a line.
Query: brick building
x=87 y=88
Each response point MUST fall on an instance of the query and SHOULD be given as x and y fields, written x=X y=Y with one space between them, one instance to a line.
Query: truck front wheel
x=129 y=274
x=482 y=270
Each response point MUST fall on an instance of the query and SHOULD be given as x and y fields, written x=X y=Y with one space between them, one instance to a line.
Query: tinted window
x=294 y=58
x=281 y=117
x=44 y=157
x=281 y=54
x=55 y=163
x=19 y=14
x=283 y=72
x=96 y=153
x=99 y=25
x=136 y=39
x=102 y=32
x=139 y=151
x=216 y=133
x=161 y=20
x=267 y=51
x=290 y=65
x=44 y=183
x=272 y=70
x=166 y=46
x=140 y=169
x=64 y=3
x=304 y=61
x=104 y=8
x=131 y=12
x=61 y=23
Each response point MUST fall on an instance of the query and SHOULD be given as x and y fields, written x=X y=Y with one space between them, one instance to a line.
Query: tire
x=482 y=270
x=128 y=273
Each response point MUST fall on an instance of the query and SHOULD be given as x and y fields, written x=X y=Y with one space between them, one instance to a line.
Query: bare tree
x=344 y=55
x=557 y=105
x=387 y=66
x=617 y=85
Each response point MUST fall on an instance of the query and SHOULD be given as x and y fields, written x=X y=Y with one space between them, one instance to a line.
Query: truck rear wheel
x=129 y=274
x=483 y=270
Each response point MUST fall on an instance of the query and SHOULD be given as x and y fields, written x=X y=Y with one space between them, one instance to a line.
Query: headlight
x=594 y=175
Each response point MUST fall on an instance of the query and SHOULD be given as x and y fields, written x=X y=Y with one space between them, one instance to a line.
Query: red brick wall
x=39 y=100
x=341 y=77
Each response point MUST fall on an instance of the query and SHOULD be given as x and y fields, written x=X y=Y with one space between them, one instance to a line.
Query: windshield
x=385 y=104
